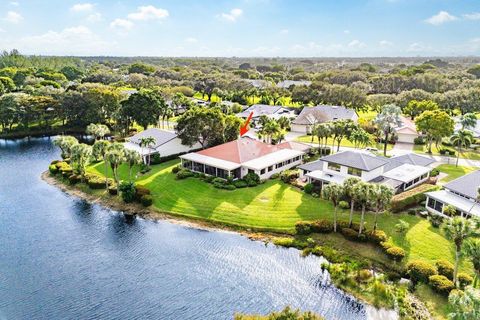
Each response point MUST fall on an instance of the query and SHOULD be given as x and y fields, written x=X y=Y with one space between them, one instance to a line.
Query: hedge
x=53 y=169
x=183 y=174
x=411 y=197
x=445 y=268
x=441 y=284
x=464 y=279
x=303 y=227
x=420 y=271
x=396 y=253
x=376 y=236
x=322 y=226
x=146 y=200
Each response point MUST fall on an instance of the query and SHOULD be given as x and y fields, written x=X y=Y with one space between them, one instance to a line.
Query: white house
x=401 y=173
x=461 y=193
x=310 y=116
x=239 y=157
x=166 y=143
x=407 y=132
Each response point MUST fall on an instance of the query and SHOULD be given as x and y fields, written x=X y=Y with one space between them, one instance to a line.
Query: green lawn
x=454 y=172
x=469 y=154
x=275 y=206
x=345 y=142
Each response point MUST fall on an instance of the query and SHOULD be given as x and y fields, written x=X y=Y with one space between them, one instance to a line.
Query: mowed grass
x=466 y=154
x=453 y=172
x=276 y=206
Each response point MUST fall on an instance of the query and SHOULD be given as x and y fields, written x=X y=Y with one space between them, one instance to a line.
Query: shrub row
x=249 y=180
x=411 y=197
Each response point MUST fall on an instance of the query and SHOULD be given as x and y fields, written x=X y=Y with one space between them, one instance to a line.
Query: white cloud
x=148 y=13
x=284 y=31
x=440 y=18
x=13 y=17
x=82 y=7
x=356 y=44
x=122 y=24
x=233 y=15
x=191 y=40
x=346 y=31
x=385 y=43
x=417 y=47
x=94 y=17
x=472 y=16
x=14 y=3
x=78 y=40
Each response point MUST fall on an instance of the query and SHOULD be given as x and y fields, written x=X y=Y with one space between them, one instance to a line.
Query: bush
x=444 y=268
x=176 y=169
x=386 y=245
x=435 y=172
x=376 y=236
x=127 y=191
x=74 y=178
x=364 y=275
x=290 y=243
x=396 y=253
x=303 y=227
x=444 y=151
x=222 y=184
x=420 y=271
x=344 y=224
x=308 y=188
x=113 y=191
x=183 y=174
x=275 y=176
x=95 y=182
x=146 y=200
x=288 y=176
x=350 y=234
x=240 y=183
x=322 y=226
x=53 y=169
x=324 y=151
x=435 y=219
x=419 y=141
x=155 y=158
x=344 y=205
x=252 y=179
x=464 y=279
x=441 y=284
x=411 y=197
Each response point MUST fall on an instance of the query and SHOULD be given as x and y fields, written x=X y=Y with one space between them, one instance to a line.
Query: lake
x=63 y=258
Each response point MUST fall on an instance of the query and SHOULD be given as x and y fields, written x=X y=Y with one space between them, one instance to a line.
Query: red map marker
x=244 y=127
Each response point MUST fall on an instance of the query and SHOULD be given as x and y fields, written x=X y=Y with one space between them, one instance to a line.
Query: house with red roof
x=242 y=156
x=407 y=132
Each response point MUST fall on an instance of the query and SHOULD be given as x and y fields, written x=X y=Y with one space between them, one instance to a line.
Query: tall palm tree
x=115 y=158
x=382 y=196
x=457 y=229
x=348 y=185
x=99 y=150
x=81 y=154
x=333 y=192
x=465 y=304
x=360 y=138
x=147 y=142
x=65 y=143
x=461 y=138
x=284 y=123
x=387 y=120
x=132 y=158
x=362 y=192
x=468 y=120
x=471 y=249
x=322 y=131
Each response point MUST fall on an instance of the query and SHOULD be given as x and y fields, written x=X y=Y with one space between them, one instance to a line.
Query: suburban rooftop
x=466 y=185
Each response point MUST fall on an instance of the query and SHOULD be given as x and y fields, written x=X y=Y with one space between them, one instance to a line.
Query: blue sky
x=303 y=28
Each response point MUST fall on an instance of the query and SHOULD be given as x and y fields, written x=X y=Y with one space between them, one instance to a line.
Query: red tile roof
x=240 y=150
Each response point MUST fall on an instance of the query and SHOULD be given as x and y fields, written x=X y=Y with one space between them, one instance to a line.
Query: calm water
x=62 y=258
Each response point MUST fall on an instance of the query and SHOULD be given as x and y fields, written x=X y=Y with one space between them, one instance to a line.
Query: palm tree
x=382 y=196
x=322 y=131
x=81 y=154
x=457 y=229
x=471 y=249
x=99 y=150
x=348 y=185
x=284 y=123
x=333 y=192
x=461 y=138
x=360 y=138
x=465 y=304
x=387 y=120
x=115 y=158
x=132 y=158
x=362 y=192
x=468 y=120
x=65 y=143
x=147 y=142
x=98 y=131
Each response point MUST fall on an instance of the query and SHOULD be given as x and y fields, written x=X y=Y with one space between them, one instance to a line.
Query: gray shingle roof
x=288 y=83
x=357 y=160
x=466 y=185
x=312 y=166
x=161 y=136
x=260 y=109
x=412 y=158
x=323 y=114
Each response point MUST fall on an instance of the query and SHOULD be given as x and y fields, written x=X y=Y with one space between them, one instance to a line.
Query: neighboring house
x=310 y=116
x=407 y=132
x=475 y=130
x=259 y=84
x=274 y=112
x=288 y=83
x=462 y=193
x=401 y=173
x=239 y=157
x=167 y=143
